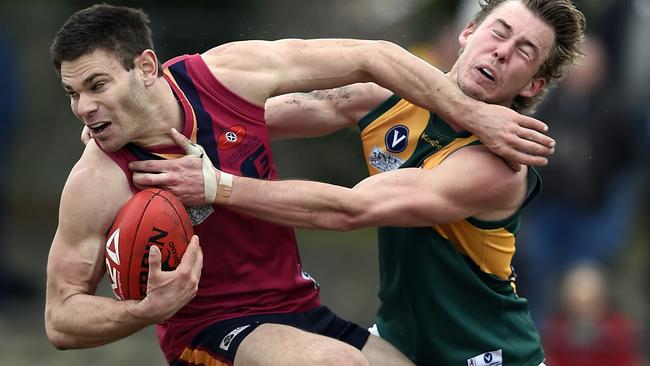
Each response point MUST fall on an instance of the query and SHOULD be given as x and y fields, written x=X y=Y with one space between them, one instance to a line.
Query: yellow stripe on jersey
x=490 y=249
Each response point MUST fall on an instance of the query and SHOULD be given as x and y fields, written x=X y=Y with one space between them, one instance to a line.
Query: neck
x=164 y=113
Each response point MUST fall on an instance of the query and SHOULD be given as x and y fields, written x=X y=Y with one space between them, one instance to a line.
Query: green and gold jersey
x=447 y=291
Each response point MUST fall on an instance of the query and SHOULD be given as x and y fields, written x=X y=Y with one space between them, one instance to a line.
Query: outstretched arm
x=405 y=197
x=471 y=182
x=292 y=65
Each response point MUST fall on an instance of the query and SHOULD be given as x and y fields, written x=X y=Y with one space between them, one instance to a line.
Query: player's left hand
x=517 y=138
x=191 y=178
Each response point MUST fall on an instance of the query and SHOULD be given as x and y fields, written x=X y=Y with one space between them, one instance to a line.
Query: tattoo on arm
x=343 y=93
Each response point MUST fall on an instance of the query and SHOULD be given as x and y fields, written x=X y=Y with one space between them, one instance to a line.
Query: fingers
x=532 y=148
x=515 y=158
x=537 y=137
x=149 y=179
x=184 y=143
x=150 y=166
x=533 y=123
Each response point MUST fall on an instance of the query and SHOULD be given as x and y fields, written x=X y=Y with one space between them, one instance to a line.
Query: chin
x=109 y=146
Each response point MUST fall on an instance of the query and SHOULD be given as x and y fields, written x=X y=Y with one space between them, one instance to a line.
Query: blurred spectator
x=589 y=187
x=587 y=330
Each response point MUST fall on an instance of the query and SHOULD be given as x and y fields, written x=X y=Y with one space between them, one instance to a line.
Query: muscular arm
x=321 y=112
x=273 y=68
x=74 y=316
x=471 y=182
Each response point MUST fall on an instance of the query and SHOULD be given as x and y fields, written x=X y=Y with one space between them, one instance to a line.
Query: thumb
x=154 y=259
x=184 y=143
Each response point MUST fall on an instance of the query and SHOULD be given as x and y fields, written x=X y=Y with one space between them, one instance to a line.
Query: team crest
x=231 y=137
x=383 y=161
x=397 y=138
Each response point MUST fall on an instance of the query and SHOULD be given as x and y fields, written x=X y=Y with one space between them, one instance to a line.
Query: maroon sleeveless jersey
x=249 y=266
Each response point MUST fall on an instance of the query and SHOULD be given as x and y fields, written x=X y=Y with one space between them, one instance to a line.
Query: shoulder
x=248 y=68
x=96 y=187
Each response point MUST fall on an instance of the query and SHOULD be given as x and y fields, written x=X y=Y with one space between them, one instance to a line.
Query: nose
x=503 y=51
x=86 y=106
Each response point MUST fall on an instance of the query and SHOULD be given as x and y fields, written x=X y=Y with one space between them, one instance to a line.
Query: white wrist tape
x=223 y=188
x=209 y=177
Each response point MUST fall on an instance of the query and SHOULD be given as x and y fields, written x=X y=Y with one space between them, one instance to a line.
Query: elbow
x=57 y=339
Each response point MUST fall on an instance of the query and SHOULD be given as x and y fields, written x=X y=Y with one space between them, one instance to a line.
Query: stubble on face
x=503 y=54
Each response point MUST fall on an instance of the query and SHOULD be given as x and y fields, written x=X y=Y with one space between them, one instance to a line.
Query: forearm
x=83 y=321
x=295 y=203
x=420 y=83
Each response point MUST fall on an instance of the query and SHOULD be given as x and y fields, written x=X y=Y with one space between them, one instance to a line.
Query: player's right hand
x=169 y=291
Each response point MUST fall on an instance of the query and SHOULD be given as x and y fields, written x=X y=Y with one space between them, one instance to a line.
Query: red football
x=151 y=217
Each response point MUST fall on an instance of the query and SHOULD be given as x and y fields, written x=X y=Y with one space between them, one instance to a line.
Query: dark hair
x=119 y=30
x=567 y=22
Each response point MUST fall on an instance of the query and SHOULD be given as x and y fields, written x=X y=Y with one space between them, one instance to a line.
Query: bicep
x=284 y=66
x=90 y=200
x=468 y=183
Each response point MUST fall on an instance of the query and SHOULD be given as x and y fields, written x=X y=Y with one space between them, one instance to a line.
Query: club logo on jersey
x=397 y=138
x=492 y=358
x=227 y=340
x=383 y=161
x=231 y=137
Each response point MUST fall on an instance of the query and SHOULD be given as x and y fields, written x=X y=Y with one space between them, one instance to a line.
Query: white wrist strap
x=223 y=188
x=209 y=180
x=209 y=177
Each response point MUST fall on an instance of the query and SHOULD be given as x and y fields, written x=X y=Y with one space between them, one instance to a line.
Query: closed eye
x=498 y=34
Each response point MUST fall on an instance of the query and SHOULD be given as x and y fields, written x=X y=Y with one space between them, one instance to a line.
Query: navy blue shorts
x=217 y=344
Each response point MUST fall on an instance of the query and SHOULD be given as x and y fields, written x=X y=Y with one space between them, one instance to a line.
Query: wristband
x=224 y=187
x=207 y=169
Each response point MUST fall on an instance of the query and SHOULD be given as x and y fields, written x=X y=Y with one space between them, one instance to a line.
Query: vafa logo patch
x=397 y=138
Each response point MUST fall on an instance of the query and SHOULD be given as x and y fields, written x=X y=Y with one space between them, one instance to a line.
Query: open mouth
x=486 y=72
x=99 y=127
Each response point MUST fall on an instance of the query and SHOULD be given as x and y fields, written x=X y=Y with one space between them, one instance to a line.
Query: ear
x=147 y=64
x=464 y=36
x=534 y=86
